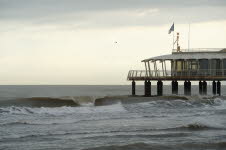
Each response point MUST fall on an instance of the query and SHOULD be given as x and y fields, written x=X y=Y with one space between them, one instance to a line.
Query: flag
x=171 y=28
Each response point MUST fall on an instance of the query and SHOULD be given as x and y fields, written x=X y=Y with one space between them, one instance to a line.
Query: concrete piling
x=204 y=88
x=159 y=88
x=200 y=88
x=219 y=88
x=147 y=88
x=133 y=88
x=176 y=87
x=187 y=87
x=173 y=87
x=214 y=88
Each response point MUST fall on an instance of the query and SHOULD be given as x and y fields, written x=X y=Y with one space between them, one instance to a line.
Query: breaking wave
x=71 y=101
x=60 y=110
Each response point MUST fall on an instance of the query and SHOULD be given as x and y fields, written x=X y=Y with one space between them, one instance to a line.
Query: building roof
x=189 y=56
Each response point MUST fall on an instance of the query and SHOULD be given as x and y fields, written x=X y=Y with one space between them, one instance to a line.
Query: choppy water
x=67 y=118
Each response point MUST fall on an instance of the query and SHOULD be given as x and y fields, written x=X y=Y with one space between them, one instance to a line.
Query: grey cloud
x=100 y=13
x=163 y=16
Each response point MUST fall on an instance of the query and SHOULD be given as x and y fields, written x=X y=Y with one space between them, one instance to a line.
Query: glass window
x=194 y=65
x=224 y=63
x=204 y=64
x=179 y=65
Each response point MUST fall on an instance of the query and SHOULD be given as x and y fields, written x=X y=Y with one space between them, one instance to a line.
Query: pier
x=199 y=65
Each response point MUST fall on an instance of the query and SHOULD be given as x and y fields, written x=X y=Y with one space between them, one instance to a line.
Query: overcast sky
x=73 y=41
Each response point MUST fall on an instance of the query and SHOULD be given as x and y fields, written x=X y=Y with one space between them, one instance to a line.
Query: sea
x=106 y=117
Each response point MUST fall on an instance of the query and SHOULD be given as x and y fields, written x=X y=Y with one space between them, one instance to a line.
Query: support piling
x=176 y=87
x=145 y=88
x=133 y=88
x=159 y=88
x=219 y=88
x=204 y=88
x=189 y=87
x=185 y=87
x=200 y=88
x=149 y=88
x=173 y=87
x=214 y=87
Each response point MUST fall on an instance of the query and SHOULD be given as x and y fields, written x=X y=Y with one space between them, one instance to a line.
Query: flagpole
x=173 y=39
x=189 y=37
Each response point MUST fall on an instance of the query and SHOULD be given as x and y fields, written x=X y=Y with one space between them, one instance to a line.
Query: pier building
x=200 y=65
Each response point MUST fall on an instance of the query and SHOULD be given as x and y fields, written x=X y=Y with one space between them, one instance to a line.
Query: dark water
x=64 y=117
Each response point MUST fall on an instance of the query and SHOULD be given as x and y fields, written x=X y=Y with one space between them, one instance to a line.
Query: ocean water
x=104 y=118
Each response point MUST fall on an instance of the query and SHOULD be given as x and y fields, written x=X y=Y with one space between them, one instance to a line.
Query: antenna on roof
x=177 y=42
x=189 y=37
x=178 y=46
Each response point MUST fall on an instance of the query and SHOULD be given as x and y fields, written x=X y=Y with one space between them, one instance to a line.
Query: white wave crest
x=84 y=100
x=62 y=110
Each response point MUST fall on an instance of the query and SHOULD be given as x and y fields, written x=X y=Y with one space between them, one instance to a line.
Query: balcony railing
x=184 y=73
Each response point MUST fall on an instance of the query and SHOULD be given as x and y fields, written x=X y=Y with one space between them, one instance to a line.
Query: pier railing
x=168 y=74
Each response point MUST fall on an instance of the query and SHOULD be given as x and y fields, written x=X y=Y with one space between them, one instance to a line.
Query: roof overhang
x=188 y=56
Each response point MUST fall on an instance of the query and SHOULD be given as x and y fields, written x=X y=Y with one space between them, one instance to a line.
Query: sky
x=98 y=41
